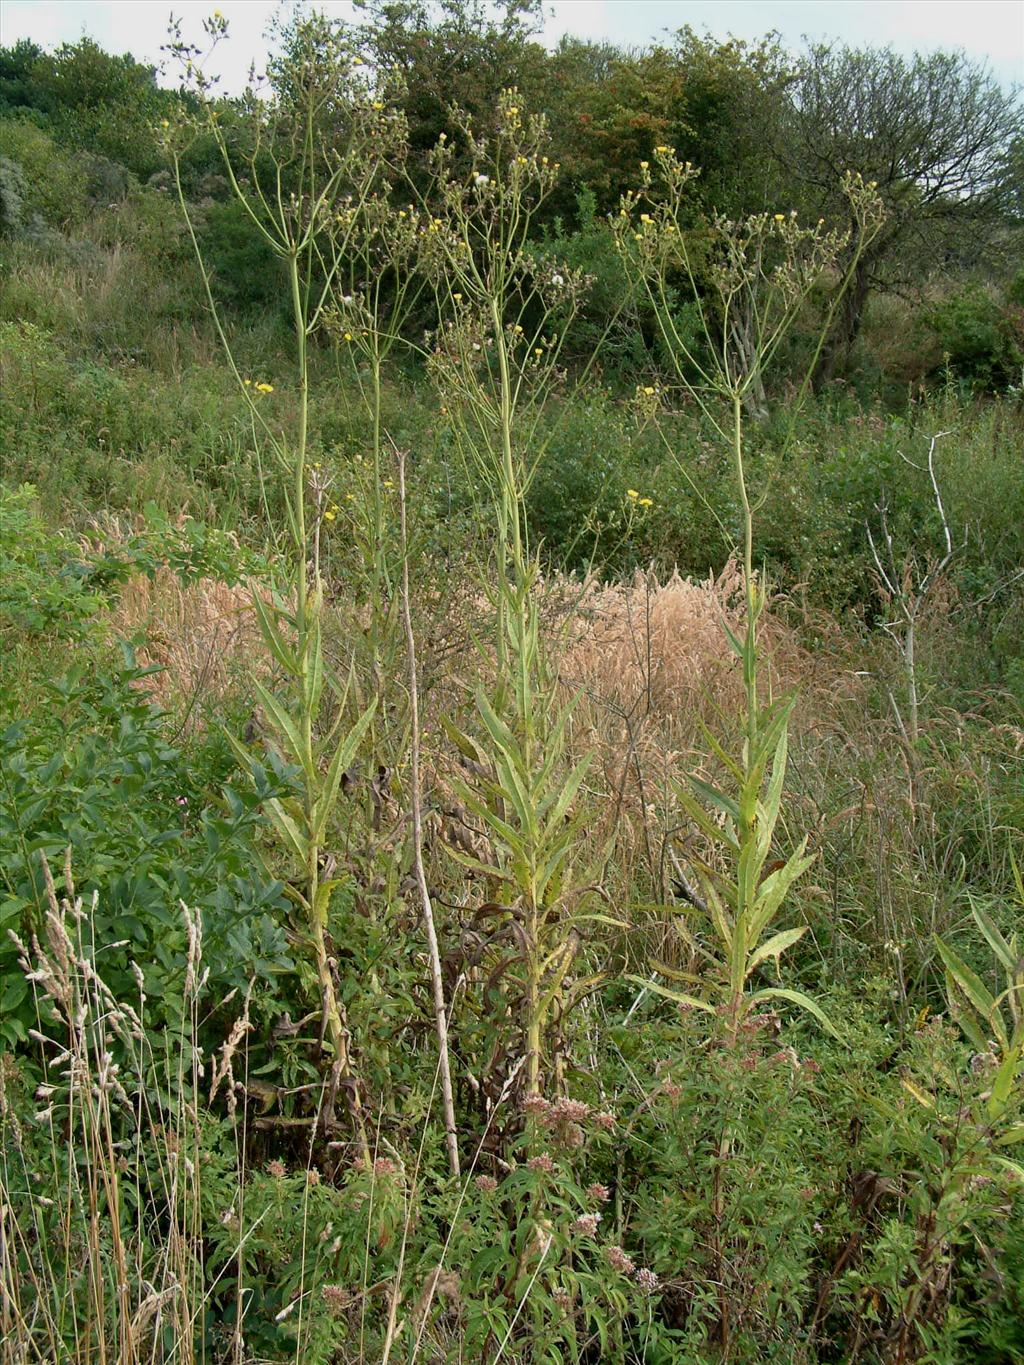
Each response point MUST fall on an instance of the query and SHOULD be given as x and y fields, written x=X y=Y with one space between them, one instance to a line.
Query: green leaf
x=289 y=830
x=973 y=987
x=995 y=940
x=285 y=726
x=796 y=998
x=273 y=637
x=678 y=996
x=343 y=756
x=714 y=797
x=775 y=947
x=774 y=889
x=1003 y=1082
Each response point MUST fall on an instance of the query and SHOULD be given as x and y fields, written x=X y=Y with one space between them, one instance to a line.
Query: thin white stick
x=440 y=1015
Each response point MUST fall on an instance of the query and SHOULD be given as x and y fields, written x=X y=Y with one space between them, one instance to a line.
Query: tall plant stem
x=307 y=628
x=440 y=1013
x=749 y=589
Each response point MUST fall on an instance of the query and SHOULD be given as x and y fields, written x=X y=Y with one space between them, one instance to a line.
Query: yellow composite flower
x=646 y=502
x=264 y=388
x=632 y=493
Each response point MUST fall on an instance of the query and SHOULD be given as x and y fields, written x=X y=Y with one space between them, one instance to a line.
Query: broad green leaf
x=776 y=946
x=774 y=889
x=289 y=830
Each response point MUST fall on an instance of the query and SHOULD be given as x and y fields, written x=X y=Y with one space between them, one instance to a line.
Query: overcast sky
x=992 y=30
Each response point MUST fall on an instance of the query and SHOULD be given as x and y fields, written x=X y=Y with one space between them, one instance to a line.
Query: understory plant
x=503 y=319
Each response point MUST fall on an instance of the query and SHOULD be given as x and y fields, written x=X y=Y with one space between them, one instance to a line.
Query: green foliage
x=39 y=586
x=144 y=821
x=982 y=341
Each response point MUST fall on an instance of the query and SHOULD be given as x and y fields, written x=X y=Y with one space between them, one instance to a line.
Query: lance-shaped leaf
x=796 y=998
x=678 y=996
x=973 y=988
x=775 y=947
x=343 y=756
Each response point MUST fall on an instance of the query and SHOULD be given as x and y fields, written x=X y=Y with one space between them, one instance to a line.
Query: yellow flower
x=645 y=217
x=780 y=217
x=264 y=388
x=649 y=390
x=644 y=165
x=377 y=105
x=632 y=493
x=330 y=514
x=663 y=149
x=513 y=111
x=457 y=298
x=165 y=123
x=646 y=502
x=543 y=161
x=538 y=350
x=389 y=483
x=348 y=336
x=247 y=383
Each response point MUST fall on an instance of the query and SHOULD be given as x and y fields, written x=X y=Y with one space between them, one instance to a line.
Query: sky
x=988 y=30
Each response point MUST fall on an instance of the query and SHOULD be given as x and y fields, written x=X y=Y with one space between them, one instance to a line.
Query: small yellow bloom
x=389 y=483
x=377 y=105
x=457 y=298
x=348 y=336
x=165 y=123
x=644 y=165
x=264 y=388
x=513 y=111
x=649 y=390
x=780 y=217
x=632 y=493
x=538 y=350
x=543 y=161
x=329 y=515
x=646 y=502
x=663 y=149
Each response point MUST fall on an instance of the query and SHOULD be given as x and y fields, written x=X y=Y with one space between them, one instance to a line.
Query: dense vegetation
x=512 y=636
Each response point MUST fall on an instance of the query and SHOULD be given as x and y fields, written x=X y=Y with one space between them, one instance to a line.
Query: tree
x=933 y=131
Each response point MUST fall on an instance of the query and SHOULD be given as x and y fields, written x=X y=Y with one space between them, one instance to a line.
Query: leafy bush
x=983 y=339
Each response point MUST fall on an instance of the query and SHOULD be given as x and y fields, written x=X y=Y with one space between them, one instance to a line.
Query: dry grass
x=200 y=635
